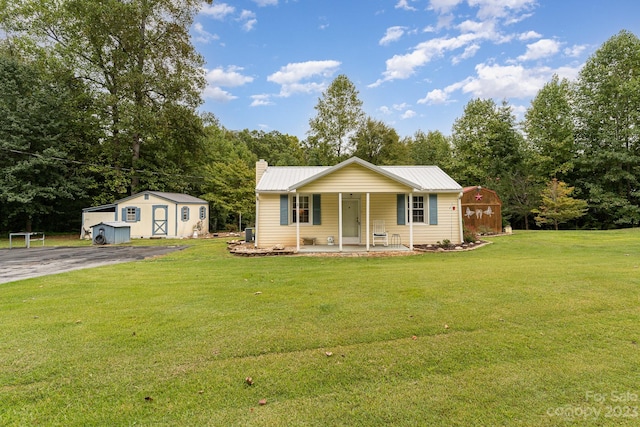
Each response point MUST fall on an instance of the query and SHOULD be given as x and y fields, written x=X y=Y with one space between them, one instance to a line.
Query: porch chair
x=379 y=232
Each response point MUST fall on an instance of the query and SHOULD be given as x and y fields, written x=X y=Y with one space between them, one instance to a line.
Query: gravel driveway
x=23 y=263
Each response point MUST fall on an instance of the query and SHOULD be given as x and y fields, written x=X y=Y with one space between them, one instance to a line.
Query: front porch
x=309 y=249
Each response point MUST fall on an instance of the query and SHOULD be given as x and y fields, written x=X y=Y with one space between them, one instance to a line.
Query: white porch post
x=367 y=222
x=340 y=221
x=297 y=222
x=255 y=237
x=411 y=221
x=460 y=217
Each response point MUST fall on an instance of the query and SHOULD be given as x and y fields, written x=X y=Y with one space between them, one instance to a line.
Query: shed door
x=160 y=220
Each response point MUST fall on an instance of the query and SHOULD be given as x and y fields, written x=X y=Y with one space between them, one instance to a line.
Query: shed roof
x=420 y=178
x=172 y=197
x=114 y=224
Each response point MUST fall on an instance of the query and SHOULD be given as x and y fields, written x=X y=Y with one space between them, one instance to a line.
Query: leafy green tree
x=489 y=150
x=232 y=192
x=470 y=138
x=432 y=148
x=45 y=128
x=229 y=176
x=338 y=115
x=607 y=112
x=379 y=144
x=550 y=129
x=276 y=148
x=558 y=206
x=135 y=55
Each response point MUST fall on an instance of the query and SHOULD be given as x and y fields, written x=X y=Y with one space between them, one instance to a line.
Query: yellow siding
x=354 y=179
x=382 y=206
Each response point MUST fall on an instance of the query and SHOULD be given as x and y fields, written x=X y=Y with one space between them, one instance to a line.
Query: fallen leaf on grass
x=262 y=402
x=248 y=380
x=148 y=399
x=414 y=337
x=328 y=353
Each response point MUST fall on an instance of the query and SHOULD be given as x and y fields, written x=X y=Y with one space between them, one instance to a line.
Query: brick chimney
x=261 y=166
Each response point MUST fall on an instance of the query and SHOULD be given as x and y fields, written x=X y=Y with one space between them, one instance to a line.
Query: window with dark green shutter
x=433 y=209
x=401 y=209
x=284 y=209
x=317 y=218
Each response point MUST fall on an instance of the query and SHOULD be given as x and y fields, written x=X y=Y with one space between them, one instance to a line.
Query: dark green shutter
x=284 y=209
x=401 y=209
x=316 y=210
x=433 y=209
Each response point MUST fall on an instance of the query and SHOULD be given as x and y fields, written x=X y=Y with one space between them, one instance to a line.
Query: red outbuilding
x=481 y=210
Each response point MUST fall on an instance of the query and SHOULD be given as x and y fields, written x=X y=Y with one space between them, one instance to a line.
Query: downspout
x=460 y=217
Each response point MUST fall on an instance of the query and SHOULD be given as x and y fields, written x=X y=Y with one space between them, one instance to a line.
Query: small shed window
x=203 y=213
x=185 y=213
x=131 y=214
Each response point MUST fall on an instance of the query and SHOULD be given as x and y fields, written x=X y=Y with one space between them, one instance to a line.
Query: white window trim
x=425 y=209
x=292 y=203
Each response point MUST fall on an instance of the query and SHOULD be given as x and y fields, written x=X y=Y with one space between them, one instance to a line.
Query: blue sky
x=415 y=63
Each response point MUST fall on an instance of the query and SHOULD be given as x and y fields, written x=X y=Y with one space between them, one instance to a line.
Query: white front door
x=350 y=221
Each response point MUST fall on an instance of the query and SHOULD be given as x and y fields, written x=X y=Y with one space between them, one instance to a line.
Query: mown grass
x=539 y=328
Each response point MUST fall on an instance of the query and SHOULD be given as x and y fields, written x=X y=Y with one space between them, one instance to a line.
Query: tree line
x=98 y=100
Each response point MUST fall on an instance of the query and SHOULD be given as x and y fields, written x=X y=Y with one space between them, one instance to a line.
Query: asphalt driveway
x=23 y=263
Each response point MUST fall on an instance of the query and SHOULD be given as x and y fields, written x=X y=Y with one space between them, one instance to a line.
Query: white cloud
x=404 y=4
x=385 y=110
x=436 y=96
x=217 y=94
x=469 y=52
x=202 y=35
x=500 y=82
x=231 y=77
x=393 y=34
x=408 y=114
x=292 y=77
x=219 y=77
x=403 y=66
x=248 y=19
x=217 y=10
x=494 y=9
x=529 y=35
x=575 y=50
x=261 y=100
x=400 y=107
x=540 y=49
x=443 y=6
x=262 y=3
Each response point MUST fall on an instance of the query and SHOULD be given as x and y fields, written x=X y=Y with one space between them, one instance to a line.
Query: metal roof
x=420 y=178
x=173 y=197
x=429 y=178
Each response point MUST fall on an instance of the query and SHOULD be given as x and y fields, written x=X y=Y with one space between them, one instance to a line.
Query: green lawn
x=538 y=328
